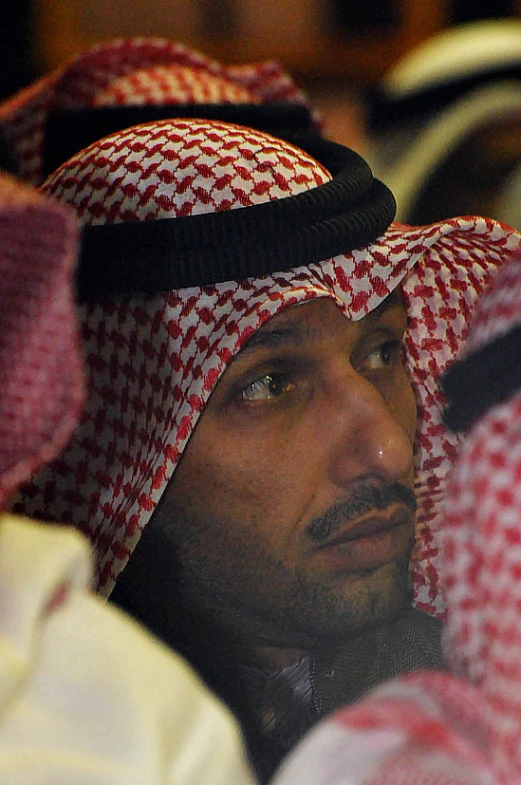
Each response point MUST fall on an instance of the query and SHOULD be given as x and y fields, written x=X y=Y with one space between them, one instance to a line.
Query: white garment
x=86 y=696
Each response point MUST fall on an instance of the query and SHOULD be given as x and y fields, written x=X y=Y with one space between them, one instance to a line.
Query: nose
x=372 y=435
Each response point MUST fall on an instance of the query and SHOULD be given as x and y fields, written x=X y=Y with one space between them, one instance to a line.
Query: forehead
x=316 y=320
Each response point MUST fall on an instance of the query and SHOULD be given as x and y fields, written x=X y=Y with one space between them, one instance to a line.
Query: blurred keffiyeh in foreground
x=147 y=717
x=39 y=402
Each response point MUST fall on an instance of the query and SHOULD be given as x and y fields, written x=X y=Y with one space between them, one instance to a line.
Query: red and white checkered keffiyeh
x=153 y=361
x=134 y=71
x=40 y=379
x=464 y=728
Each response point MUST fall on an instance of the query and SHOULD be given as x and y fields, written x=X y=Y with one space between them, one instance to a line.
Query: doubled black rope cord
x=483 y=379
x=348 y=212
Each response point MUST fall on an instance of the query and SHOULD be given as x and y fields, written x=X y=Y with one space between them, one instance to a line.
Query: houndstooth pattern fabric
x=482 y=565
x=462 y=728
x=39 y=403
x=154 y=361
x=419 y=730
x=134 y=71
x=151 y=85
x=499 y=311
x=441 y=294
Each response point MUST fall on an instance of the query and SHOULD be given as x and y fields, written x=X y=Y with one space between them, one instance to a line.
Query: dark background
x=18 y=66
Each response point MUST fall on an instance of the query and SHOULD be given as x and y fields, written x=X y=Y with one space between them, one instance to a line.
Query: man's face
x=291 y=512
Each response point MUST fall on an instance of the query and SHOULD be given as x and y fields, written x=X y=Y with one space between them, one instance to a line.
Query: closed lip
x=369 y=544
x=370 y=526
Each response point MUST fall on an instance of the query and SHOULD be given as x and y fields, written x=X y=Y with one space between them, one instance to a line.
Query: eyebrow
x=292 y=334
x=295 y=334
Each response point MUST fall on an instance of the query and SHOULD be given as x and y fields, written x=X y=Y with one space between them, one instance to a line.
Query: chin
x=376 y=597
x=330 y=615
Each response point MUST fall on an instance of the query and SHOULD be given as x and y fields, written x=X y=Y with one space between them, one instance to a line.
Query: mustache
x=363 y=499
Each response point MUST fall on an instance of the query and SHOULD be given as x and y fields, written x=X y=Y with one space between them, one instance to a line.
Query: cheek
x=222 y=472
x=262 y=485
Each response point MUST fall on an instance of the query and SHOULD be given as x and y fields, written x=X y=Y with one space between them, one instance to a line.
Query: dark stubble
x=235 y=586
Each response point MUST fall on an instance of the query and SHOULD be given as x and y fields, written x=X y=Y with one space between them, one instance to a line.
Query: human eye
x=267 y=387
x=386 y=354
x=263 y=386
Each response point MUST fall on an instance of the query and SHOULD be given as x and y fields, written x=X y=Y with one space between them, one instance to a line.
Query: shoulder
x=418 y=636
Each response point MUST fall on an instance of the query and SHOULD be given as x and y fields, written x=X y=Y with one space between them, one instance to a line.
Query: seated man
x=86 y=696
x=245 y=467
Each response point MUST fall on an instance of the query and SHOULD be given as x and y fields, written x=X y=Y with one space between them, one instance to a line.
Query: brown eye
x=265 y=388
x=383 y=355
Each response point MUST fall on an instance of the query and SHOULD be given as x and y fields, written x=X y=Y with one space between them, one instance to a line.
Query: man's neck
x=201 y=642
x=267 y=658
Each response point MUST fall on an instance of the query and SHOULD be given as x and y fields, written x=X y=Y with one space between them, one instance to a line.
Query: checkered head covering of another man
x=239 y=225
x=40 y=380
x=125 y=82
x=482 y=544
x=462 y=728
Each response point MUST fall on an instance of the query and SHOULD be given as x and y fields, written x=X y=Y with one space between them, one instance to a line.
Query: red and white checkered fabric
x=40 y=378
x=154 y=361
x=421 y=729
x=134 y=71
x=482 y=545
x=464 y=728
x=152 y=84
x=441 y=293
